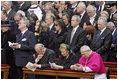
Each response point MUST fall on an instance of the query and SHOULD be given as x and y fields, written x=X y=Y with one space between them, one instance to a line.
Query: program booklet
x=12 y=44
x=29 y=66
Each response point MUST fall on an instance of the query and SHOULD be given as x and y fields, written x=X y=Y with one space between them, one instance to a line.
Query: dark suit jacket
x=84 y=19
x=102 y=45
x=111 y=17
x=43 y=38
x=25 y=7
x=77 y=41
x=67 y=62
x=24 y=54
x=49 y=56
x=50 y=39
x=10 y=16
x=115 y=38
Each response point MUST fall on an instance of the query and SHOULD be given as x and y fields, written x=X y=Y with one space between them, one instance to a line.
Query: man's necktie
x=20 y=35
x=72 y=34
x=100 y=8
x=98 y=35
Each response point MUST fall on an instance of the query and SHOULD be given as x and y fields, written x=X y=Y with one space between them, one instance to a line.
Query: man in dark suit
x=44 y=56
x=8 y=8
x=7 y=56
x=113 y=49
x=102 y=39
x=111 y=6
x=100 y=6
x=51 y=30
x=74 y=7
x=93 y=15
x=81 y=9
x=25 y=47
x=24 y=6
x=75 y=36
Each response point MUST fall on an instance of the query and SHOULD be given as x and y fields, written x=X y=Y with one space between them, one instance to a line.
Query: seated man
x=90 y=61
x=66 y=59
x=44 y=56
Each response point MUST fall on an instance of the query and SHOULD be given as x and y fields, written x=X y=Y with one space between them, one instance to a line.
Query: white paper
x=30 y=66
x=12 y=44
x=52 y=64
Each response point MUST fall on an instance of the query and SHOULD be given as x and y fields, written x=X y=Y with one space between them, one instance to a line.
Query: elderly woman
x=66 y=59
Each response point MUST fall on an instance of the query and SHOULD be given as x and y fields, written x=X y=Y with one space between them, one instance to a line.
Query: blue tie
x=100 y=8
x=98 y=35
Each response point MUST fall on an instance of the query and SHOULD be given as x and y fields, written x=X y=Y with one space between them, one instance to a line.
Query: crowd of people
x=74 y=32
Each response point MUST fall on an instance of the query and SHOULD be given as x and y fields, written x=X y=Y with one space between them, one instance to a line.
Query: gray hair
x=83 y=5
x=9 y=3
x=78 y=19
x=85 y=48
x=111 y=24
x=26 y=21
x=39 y=46
x=104 y=19
x=92 y=8
x=21 y=12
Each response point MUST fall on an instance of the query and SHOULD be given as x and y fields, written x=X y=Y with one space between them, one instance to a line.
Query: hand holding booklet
x=12 y=44
x=30 y=66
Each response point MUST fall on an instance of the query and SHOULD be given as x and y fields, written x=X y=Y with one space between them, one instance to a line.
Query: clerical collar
x=102 y=30
x=51 y=26
x=24 y=31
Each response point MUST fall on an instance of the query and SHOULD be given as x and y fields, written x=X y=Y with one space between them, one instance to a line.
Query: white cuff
x=19 y=45
x=39 y=66
x=36 y=60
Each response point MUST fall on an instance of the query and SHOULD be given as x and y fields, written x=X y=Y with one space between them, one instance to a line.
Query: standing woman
x=58 y=36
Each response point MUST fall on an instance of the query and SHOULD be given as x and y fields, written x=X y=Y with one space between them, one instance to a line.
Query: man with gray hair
x=102 y=39
x=24 y=47
x=113 y=49
x=90 y=61
x=75 y=36
x=8 y=8
x=44 y=56
x=81 y=9
x=93 y=15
